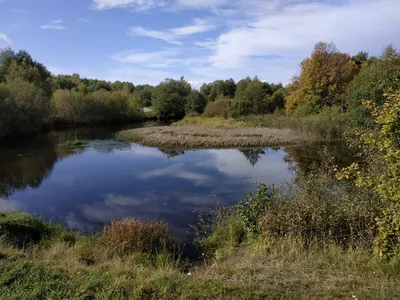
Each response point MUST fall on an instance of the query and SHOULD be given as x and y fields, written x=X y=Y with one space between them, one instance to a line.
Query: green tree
x=360 y=58
x=24 y=107
x=276 y=101
x=170 y=98
x=249 y=98
x=376 y=77
x=196 y=103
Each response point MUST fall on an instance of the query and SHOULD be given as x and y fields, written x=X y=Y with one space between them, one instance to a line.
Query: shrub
x=381 y=172
x=23 y=108
x=96 y=107
x=132 y=235
x=218 y=108
x=22 y=229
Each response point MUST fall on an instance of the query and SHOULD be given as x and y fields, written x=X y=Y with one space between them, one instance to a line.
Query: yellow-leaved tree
x=323 y=79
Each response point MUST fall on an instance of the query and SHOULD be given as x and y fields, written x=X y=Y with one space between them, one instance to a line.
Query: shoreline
x=203 y=137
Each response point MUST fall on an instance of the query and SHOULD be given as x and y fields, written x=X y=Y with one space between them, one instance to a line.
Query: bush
x=218 y=108
x=132 y=235
x=93 y=108
x=22 y=229
x=23 y=108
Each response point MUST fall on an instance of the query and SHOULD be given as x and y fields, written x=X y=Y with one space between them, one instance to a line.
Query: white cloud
x=173 y=35
x=55 y=24
x=135 y=4
x=293 y=30
x=264 y=38
x=138 y=75
x=6 y=39
x=8 y=206
x=201 y=3
x=175 y=171
x=83 y=20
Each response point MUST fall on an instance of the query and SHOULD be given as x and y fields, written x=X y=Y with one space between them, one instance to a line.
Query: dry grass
x=195 y=137
x=132 y=235
x=286 y=269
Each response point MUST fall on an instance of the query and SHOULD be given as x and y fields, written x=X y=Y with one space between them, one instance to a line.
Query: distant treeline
x=31 y=98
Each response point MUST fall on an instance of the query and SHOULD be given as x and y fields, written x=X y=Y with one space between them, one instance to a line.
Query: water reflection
x=111 y=178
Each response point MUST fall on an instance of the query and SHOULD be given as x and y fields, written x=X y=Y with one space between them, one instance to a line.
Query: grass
x=196 y=137
x=216 y=122
x=330 y=124
x=66 y=265
x=245 y=132
x=76 y=144
x=133 y=235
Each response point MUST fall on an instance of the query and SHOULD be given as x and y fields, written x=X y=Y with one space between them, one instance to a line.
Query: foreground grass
x=65 y=265
x=195 y=137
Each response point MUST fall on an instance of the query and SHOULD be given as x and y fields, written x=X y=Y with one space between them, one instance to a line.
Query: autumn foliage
x=323 y=79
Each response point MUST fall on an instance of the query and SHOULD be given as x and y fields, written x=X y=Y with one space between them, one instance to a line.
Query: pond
x=110 y=179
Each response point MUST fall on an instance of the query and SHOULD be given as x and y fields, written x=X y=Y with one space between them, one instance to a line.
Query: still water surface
x=110 y=179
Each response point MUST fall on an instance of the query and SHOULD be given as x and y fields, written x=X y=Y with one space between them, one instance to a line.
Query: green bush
x=93 y=108
x=22 y=229
x=23 y=108
x=218 y=108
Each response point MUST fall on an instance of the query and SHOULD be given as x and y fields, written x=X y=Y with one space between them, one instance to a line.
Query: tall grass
x=132 y=235
x=329 y=124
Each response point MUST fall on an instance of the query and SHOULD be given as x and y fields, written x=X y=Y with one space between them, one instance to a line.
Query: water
x=110 y=179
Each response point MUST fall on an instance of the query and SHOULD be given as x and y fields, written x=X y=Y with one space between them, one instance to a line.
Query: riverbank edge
x=204 y=137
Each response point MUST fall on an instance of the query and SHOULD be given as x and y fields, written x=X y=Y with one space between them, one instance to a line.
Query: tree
x=11 y=60
x=376 y=77
x=196 y=103
x=23 y=107
x=360 y=58
x=219 y=89
x=249 y=98
x=253 y=155
x=170 y=98
x=276 y=101
x=323 y=79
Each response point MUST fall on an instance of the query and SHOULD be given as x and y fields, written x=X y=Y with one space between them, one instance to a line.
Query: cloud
x=55 y=24
x=8 y=206
x=293 y=30
x=6 y=39
x=137 y=75
x=139 y=5
x=83 y=20
x=174 y=35
x=176 y=171
x=201 y=4
x=256 y=37
x=165 y=58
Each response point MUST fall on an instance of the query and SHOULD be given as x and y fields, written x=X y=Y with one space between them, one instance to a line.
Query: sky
x=146 y=41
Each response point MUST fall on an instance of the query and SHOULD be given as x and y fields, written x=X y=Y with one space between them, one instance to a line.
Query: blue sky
x=146 y=41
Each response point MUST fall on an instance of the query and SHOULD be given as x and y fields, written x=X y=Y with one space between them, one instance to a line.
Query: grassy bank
x=194 y=137
x=127 y=261
x=327 y=125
